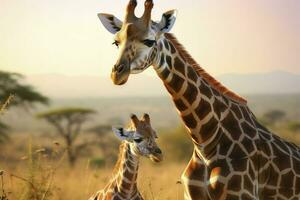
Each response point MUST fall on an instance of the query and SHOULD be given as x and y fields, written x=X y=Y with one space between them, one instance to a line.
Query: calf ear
x=167 y=21
x=110 y=22
x=122 y=134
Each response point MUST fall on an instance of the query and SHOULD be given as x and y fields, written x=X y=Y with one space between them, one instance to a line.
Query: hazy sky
x=228 y=36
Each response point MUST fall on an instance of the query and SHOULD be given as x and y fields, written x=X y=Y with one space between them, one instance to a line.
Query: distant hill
x=115 y=111
x=61 y=86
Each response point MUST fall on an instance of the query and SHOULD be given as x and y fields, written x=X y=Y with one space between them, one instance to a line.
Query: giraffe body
x=234 y=156
x=263 y=167
x=271 y=171
x=138 y=140
x=123 y=183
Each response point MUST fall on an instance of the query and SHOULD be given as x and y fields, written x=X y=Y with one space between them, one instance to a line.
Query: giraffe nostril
x=115 y=67
x=120 y=68
x=158 y=151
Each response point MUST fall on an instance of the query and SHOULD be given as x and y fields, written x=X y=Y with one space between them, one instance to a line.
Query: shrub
x=177 y=144
x=97 y=163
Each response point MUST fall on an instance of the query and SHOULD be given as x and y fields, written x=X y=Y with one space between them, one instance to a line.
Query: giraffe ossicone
x=138 y=139
x=235 y=157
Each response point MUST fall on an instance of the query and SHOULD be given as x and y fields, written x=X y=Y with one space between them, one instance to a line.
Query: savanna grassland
x=36 y=167
x=34 y=161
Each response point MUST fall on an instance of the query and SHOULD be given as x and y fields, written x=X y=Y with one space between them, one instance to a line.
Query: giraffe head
x=136 y=39
x=142 y=137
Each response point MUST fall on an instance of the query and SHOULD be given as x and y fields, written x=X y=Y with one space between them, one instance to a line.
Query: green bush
x=97 y=163
x=176 y=144
x=294 y=126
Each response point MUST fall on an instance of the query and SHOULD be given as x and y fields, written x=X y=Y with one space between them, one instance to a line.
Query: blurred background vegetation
x=50 y=148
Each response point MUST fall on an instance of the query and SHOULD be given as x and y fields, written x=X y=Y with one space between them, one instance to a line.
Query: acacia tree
x=106 y=142
x=294 y=126
x=68 y=124
x=24 y=95
x=274 y=116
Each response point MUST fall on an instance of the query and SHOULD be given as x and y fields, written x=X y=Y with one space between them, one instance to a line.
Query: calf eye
x=149 y=43
x=138 y=140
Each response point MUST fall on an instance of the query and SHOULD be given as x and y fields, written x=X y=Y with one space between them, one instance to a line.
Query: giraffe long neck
x=126 y=171
x=201 y=105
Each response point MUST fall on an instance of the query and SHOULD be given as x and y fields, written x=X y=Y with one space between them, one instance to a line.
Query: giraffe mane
x=122 y=147
x=201 y=72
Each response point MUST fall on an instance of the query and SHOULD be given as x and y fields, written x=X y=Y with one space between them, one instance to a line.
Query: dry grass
x=36 y=168
x=4 y=105
x=155 y=182
x=39 y=175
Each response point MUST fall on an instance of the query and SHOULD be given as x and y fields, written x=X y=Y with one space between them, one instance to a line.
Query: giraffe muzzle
x=157 y=155
x=119 y=68
x=120 y=74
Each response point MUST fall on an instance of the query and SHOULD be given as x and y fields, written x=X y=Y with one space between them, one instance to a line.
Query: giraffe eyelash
x=149 y=43
x=116 y=43
x=138 y=140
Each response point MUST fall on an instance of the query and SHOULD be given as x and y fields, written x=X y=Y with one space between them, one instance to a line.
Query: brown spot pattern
x=169 y=61
x=180 y=105
x=208 y=129
x=190 y=121
x=203 y=109
x=232 y=126
x=205 y=90
x=176 y=83
x=179 y=66
x=190 y=93
x=192 y=74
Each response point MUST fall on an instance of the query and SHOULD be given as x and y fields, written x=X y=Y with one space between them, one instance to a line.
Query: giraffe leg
x=193 y=180
x=217 y=180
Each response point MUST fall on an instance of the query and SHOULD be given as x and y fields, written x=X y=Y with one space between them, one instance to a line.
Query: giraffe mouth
x=156 y=158
x=120 y=77
x=122 y=82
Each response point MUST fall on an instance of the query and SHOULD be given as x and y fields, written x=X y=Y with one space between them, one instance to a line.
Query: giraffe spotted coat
x=138 y=140
x=123 y=183
x=234 y=156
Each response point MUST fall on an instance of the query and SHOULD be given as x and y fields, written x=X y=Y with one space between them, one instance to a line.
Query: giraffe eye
x=138 y=140
x=116 y=43
x=149 y=43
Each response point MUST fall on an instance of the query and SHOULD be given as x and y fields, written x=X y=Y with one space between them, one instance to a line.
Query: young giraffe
x=234 y=156
x=138 y=140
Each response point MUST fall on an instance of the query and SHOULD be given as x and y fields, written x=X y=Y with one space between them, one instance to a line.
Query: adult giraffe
x=234 y=156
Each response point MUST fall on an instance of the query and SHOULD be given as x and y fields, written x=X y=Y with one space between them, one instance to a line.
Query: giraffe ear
x=167 y=21
x=122 y=134
x=155 y=134
x=110 y=22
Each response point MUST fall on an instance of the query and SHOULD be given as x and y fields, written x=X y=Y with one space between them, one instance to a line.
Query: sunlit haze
x=66 y=37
